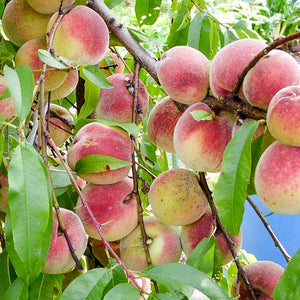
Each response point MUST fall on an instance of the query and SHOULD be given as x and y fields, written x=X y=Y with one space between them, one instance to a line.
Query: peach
x=3 y=192
x=283 y=116
x=28 y=55
x=96 y=138
x=176 y=197
x=116 y=104
x=111 y=64
x=263 y=275
x=113 y=206
x=60 y=122
x=277 y=177
x=82 y=36
x=49 y=6
x=183 y=74
x=59 y=259
x=21 y=23
x=200 y=144
x=269 y=76
x=7 y=106
x=163 y=240
x=230 y=62
x=161 y=123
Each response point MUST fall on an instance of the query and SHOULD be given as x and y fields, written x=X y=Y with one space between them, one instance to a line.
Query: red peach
x=3 y=192
x=116 y=67
x=49 y=6
x=7 y=106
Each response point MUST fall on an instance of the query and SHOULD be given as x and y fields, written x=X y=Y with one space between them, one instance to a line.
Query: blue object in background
x=257 y=240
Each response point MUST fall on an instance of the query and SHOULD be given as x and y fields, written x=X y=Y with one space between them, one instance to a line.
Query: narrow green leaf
x=20 y=84
x=147 y=11
x=201 y=115
x=52 y=61
x=163 y=297
x=5 y=94
x=29 y=214
x=88 y=286
x=111 y=3
x=60 y=179
x=94 y=75
x=231 y=189
x=123 y=291
x=95 y=163
x=131 y=128
x=7 y=274
x=288 y=287
x=176 y=276
x=17 y=291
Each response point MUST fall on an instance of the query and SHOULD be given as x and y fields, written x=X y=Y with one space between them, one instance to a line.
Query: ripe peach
x=263 y=275
x=176 y=197
x=188 y=83
x=21 y=23
x=277 y=178
x=283 y=116
x=161 y=123
x=269 y=76
x=82 y=35
x=116 y=104
x=230 y=62
x=60 y=122
x=7 y=106
x=59 y=259
x=49 y=6
x=113 y=206
x=28 y=55
x=108 y=68
x=3 y=192
x=200 y=144
x=163 y=240
x=96 y=138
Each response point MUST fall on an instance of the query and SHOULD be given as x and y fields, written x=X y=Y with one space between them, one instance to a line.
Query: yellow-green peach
x=82 y=36
x=21 y=23
x=200 y=144
x=49 y=6
x=96 y=138
x=283 y=116
x=59 y=259
x=163 y=240
x=269 y=76
x=161 y=123
x=7 y=106
x=277 y=177
x=113 y=206
x=183 y=73
x=176 y=197
x=116 y=104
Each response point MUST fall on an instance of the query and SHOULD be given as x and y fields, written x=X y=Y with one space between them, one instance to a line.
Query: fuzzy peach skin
x=113 y=206
x=176 y=197
x=200 y=144
x=164 y=245
x=161 y=123
x=116 y=104
x=229 y=62
x=272 y=72
x=116 y=67
x=3 y=192
x=28 y=55
x=21 y=23
x=59 y=259
x=7 y=106
x=263 y=275
x=183 y=74
x=277 y=178
x=49 y=6
x=96 y=138
x=82 y=36
x=283 y=116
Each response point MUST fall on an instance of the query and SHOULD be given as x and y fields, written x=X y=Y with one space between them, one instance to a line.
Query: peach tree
x=131 y=136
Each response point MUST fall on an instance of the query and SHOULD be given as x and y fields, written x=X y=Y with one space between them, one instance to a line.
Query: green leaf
x=52 y=61
x=95 y=163
x=288 y=287
x=29 y=214
x=131 y=128
x=163 y=297
x=123 y=291
x=20 y=85
x=112 y=3
x=201 y=115
x=7 y=274
x=60 y=179
x=147 y=11
x=94 y=75
x=176 y=276
x=17 y=291
x=231 y=189
x=5 y=94
x=88 y=286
